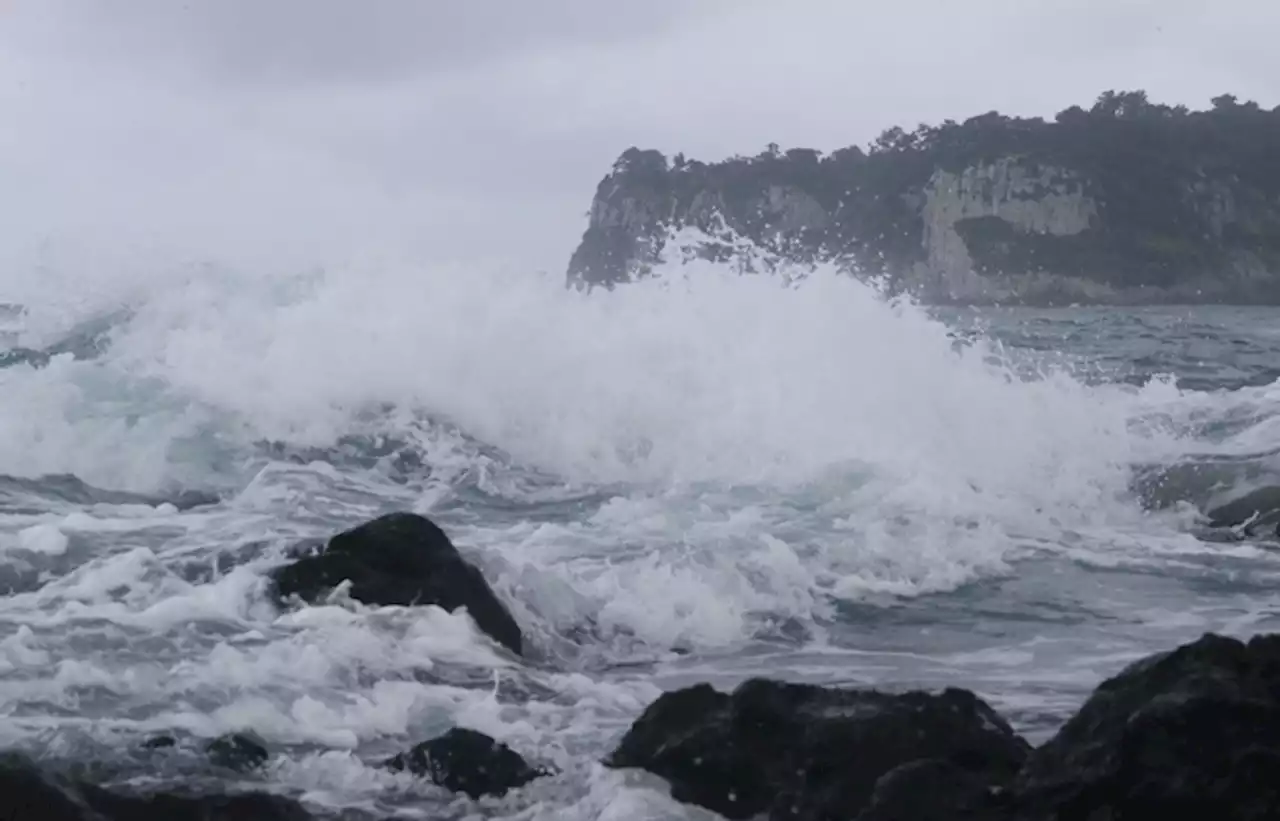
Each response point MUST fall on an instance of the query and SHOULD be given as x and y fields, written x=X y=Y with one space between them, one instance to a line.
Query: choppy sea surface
x=686 y=479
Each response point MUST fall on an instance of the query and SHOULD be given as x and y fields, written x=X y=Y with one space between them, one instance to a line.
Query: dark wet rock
x=401 y=559
x=807 y=752
x=1259 y=509
x=469 y=762
x=30 y=793
x=253 y=806
x=301 y=549
x=190 y=499
x=159 y=742
x=1193 y=733
x=934 y=789
x=1161 y=485
x=688 y=737
x=240 y=752
x=237 y=751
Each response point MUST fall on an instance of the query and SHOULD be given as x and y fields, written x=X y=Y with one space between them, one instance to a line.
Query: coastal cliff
x=1127 y=202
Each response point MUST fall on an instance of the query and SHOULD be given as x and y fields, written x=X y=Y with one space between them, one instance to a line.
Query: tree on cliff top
x=1150 y=167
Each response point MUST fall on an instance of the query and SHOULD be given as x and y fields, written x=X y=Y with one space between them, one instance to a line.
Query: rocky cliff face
x=1128 y=202
x=1009 y=195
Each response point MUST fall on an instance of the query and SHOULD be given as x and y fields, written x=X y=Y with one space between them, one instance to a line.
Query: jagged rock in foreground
x=806 y=752
x=467 y=761
x=461 y=760
x=28 y=793
x=1194 y=733
x=1128 y=202
x=1190 y=733
x=400 y=559
x=934 y=789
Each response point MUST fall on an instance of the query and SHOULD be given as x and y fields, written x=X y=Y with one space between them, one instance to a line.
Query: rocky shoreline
x=1195 y=730
x=1123 y=202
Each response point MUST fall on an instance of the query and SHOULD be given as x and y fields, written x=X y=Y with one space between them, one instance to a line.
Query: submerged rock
x=1192 y=733
x=807 y=752
x=28 y=793
x=401 y=559
x=237 y=751
x=67 y=487
x=469 y=762
x=241 y=752
x=1259 y=510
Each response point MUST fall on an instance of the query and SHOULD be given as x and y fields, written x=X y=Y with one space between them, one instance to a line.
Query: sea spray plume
x=709 y=237
x=694 y=392
x=709 y=375
x=87 y=339
x=776 y=254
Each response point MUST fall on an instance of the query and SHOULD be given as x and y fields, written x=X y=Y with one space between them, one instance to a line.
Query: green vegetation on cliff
x=1163 y=196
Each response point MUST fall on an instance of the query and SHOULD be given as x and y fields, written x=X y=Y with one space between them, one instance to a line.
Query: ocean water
x=702 y=476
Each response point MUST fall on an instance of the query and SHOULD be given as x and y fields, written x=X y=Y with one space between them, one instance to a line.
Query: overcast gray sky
x=296 y=129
